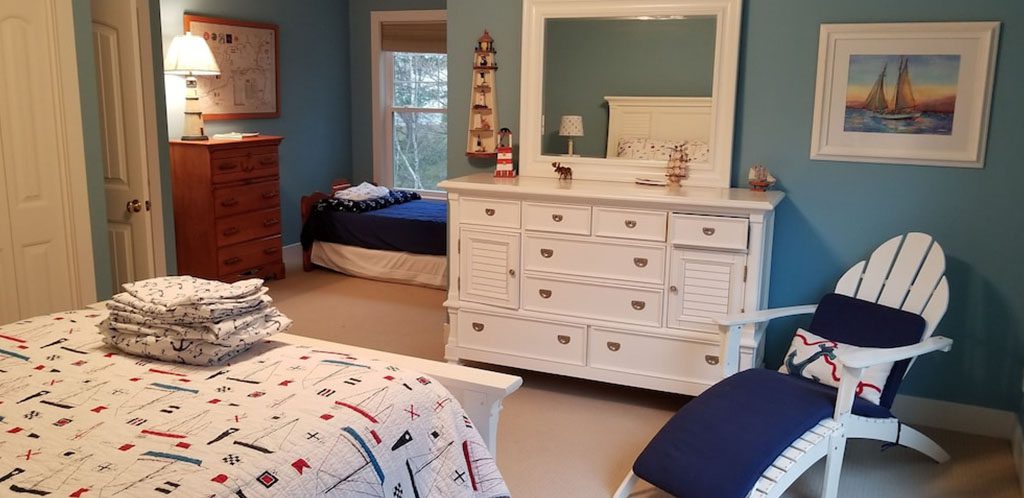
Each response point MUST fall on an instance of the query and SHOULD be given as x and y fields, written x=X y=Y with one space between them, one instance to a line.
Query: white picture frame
x=954 y=60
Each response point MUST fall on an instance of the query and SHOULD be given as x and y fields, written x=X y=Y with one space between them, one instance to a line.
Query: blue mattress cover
x=419 y=226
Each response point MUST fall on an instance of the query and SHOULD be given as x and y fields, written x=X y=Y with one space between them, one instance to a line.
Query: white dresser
x=607 y=281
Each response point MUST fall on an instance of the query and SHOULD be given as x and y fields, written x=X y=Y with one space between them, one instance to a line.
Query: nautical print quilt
x=78 y=419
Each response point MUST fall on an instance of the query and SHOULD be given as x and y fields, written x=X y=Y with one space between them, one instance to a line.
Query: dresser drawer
x=710 y=231
x=561 y=218
x=490 y=212
x=604 y=259
x=551 y=341
x=676 y=359
x=248 y=254
x=256 y=162
x=630 y=224
x=245 y=199
x=591 y=300
x=265 y=271
x=244 y=227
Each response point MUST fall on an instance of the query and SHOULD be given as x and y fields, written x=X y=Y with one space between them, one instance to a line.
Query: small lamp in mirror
x=571 y=126
x=190 y=56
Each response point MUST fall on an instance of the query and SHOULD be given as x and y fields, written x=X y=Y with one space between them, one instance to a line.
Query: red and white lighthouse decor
x=483 y=109
x=505 y=168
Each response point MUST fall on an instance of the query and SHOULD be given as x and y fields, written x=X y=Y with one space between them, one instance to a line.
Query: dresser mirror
x=609 y=88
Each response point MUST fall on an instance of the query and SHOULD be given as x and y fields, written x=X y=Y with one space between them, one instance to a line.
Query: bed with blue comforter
x=404 y=223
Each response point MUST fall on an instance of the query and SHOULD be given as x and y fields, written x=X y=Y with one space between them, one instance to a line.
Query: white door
x=120 y=36
x=489 y=271
x=45 y=244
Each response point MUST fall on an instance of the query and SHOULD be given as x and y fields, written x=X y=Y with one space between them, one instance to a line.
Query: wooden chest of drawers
x=227 y=208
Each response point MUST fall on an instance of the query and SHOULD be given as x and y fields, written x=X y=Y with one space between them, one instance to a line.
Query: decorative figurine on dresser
x=227 y=209
x=505 y=167
x=606 y=277
x=483 y=113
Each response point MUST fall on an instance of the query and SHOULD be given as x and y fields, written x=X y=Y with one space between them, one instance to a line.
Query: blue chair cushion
x=863 y=323
x=720 y=443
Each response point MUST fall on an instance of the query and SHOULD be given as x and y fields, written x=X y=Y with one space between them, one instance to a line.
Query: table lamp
x=190 y=56
x=572 y=126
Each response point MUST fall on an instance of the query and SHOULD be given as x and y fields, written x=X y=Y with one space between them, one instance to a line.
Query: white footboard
x=480 y=392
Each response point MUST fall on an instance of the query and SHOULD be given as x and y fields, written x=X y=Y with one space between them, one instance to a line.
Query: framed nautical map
x=904 y=93
x=247 y=55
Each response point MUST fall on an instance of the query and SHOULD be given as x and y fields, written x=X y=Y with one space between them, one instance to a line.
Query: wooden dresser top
x=229 y=143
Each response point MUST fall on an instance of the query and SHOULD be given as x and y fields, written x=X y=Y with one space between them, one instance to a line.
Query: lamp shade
x=189 y=55
x=572 y=126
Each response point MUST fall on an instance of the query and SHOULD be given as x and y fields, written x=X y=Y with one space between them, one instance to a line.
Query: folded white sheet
x=190 y=313
x=229 y=332
x=187 y=290
x=362 y=192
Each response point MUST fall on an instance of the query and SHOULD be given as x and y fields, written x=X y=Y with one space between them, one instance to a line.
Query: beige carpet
x=562 y=437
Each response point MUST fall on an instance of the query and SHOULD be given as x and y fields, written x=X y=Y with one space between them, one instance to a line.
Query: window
x=410 y=119
x=419 y=119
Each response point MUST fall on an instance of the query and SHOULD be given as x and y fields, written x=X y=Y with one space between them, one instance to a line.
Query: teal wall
x=835 y=212
x=361 y=86
x=314 y=90
x=93 y=153
x=467 y=20
x=588 y=59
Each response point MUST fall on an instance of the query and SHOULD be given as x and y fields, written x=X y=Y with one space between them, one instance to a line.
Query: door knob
x=134 y=206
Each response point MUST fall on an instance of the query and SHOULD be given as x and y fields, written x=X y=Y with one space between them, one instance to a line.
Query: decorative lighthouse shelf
x=483 y=112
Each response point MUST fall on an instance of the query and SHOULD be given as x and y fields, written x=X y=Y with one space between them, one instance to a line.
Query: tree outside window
x=419 y=114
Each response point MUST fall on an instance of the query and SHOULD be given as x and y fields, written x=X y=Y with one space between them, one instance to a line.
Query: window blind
x=429 y=37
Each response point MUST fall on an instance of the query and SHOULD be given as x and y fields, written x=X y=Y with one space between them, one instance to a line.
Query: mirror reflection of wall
x=587 y=59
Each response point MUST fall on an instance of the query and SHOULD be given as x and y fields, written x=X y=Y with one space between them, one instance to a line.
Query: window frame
x=382 y=71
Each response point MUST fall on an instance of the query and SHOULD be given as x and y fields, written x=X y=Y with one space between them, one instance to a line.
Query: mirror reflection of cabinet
x=577 y=56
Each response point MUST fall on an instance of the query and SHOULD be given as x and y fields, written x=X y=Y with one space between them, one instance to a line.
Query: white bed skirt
x=390 y=266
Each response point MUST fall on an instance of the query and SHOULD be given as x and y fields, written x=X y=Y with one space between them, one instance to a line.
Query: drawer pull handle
x=547 y=253
x=271 y=222
x=545 y=293
x=231 y=231
x=229 y=202
x=232 y=261
x=270 y=195
x=614 y=346
x=477 y=326
x=512 y=273
x=673 y=288
x=709 y=231
x=640 y=262
x=630 y=223
x=226 y=166
x=639 y=305
x=248 y=168
x=268 y=160
x=557 y=218
x=564 y=339
x=711 y=359
x=270 y=250
x=489 y=212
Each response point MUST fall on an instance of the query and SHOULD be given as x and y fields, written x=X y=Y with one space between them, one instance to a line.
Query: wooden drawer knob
x=545 y=293
x=640 y=262
x=270 y=250
x=512 y=273
x=477 y=326
x=271 y=222
x=232 y=260
x=557 y=218
x=711 y=359
x=614 y=346
x=564 y=339
x=489 y=212
x=231 y=201
x=639 y=305
x=673 y=288
x=547 y=253
x=231 y=231
x=709 y=231
x=270 y=195
x=630 y=223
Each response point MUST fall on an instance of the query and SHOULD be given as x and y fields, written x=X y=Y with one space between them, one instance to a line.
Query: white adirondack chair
x=906 y=272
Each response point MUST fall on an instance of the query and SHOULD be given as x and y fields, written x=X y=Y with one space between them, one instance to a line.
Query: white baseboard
x=955 y=416
x=1018 y=453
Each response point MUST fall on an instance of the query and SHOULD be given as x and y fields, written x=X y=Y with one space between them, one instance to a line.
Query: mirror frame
x=533 y=162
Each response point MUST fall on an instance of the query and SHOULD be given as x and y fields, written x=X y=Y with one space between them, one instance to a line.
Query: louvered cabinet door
x=489 y=267
x=704 y=285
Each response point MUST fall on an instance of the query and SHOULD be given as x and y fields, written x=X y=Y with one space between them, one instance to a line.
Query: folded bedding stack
x=191 y=320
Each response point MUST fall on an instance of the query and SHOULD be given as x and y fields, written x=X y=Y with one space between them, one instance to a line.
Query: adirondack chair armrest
x=874 y=356
x=765 y=315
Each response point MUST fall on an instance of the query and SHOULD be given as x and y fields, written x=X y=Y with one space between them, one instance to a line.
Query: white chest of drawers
x=606 y=281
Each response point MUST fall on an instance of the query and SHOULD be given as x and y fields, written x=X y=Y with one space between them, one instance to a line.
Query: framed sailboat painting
x=904 y=93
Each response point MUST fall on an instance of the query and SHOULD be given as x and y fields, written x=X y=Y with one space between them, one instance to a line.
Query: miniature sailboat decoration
x=904 y=106
x=759 y=178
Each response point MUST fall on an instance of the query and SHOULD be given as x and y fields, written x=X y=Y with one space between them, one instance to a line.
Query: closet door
x=489 y=267
x=704 y=285
x=40 y=154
